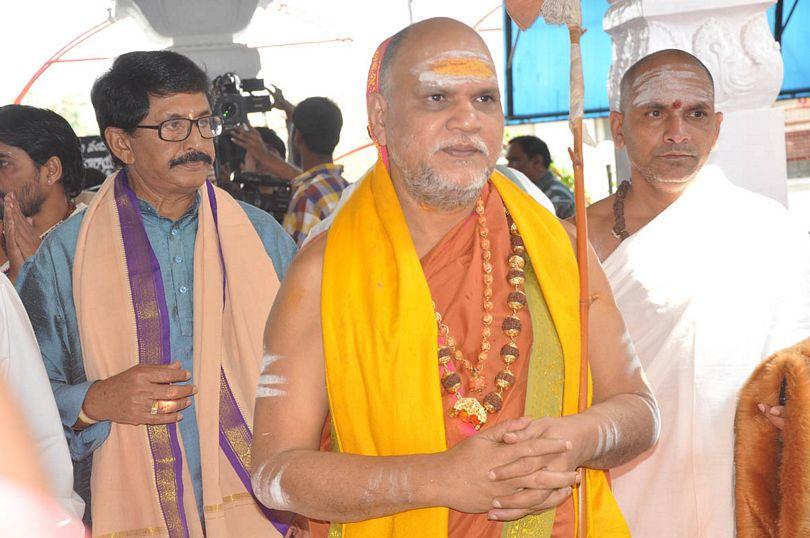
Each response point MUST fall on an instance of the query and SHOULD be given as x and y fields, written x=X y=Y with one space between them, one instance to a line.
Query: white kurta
x=22 y=369
x=710 y=287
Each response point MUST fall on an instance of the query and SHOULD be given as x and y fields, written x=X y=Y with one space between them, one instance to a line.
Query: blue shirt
x=45 y=285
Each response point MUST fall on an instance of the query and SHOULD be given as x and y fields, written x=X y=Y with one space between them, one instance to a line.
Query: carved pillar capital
x=731 y=37
x=202 y=30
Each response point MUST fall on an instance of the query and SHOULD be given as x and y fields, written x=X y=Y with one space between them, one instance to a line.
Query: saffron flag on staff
x=558 y=12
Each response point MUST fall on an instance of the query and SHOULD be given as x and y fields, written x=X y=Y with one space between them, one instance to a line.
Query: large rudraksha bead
x=512 y=326
x=516 y=300
x=504 y=380
x=516 y=277
x=517 y=243
x=451 y=382
x=445 y=354
x=493 y=402
x=509 y=353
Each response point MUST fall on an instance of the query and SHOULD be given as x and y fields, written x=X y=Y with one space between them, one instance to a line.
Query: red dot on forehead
x=677 y=104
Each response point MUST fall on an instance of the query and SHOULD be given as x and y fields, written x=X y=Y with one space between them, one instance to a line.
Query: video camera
x=265 y=192
x=234 y=99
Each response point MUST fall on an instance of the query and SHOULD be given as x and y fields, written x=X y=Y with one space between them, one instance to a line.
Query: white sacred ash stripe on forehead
x=668 y=84
x=426 y=74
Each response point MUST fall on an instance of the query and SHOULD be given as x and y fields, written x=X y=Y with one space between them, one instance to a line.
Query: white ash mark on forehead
x=439 y=79
x=438 y=58
x=668 y=84
x=455 y=67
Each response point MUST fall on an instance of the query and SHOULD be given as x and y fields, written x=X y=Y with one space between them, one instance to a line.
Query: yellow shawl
x=380 y=339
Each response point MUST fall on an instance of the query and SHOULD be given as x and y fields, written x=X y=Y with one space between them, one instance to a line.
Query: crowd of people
x=400 y=356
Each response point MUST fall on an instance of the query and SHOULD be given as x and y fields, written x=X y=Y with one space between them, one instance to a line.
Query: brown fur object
x=772 y=476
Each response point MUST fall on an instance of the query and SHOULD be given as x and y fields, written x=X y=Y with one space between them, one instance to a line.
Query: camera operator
x=259 y=153
x=272 y=143
x=317 y=122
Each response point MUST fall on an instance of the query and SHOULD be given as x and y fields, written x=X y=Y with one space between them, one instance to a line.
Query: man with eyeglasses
x=150 y=308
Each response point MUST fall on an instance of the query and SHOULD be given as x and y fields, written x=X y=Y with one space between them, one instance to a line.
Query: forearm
x=341 y=488
x=278 y=166
x=617 y=430
x=82 y=439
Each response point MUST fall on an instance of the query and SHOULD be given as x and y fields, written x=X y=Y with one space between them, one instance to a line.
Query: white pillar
x=202 y=30
x=733 y=39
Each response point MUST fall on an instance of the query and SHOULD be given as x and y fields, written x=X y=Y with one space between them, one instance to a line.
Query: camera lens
x=229 y=110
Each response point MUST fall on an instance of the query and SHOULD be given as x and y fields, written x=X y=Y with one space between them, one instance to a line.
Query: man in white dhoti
x=710 y=279
x=23 y=373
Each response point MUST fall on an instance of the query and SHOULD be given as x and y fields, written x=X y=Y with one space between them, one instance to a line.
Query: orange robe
x=453 y=269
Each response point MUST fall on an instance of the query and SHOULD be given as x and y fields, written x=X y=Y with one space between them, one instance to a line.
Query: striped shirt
x=559 y=194
x=315 y=194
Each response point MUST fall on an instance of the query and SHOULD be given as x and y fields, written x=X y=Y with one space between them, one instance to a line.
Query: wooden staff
x=568 y=12
x=575 y=33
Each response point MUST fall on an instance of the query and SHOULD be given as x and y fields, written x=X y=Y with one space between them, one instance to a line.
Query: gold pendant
x=470 y=410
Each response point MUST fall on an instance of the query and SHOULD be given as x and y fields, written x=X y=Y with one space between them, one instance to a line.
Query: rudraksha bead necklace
x=619 y=229
x=470 y=409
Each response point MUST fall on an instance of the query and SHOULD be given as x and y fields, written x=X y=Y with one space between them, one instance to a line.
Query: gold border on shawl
x=238 y=434
x=150 y=347
x=148 y=531
x=211 y=508
x=543 y=392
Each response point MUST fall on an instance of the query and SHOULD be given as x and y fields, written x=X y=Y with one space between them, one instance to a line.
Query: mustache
x=686 y=149
x=192 y=156
x=475 y=142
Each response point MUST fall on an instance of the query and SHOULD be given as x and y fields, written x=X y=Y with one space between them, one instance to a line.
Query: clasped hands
x=20 y=241
x=517 y=468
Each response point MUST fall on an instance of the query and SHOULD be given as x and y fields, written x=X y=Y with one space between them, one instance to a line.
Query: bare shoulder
x=600 y=226
x=308 y=263
x=569 y=225
x=299 y=295
x=600 y=215
x=603 y=208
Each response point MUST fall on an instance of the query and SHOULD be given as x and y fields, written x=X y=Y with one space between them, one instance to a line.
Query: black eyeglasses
x=178 y=129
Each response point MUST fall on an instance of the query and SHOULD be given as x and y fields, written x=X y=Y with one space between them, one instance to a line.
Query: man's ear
x=51 y=171
x=120 y=144
x=377 y=108
x=617 y=128
x=297 y=140
x=718 y=118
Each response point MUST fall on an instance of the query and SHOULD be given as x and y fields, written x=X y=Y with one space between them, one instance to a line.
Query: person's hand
x=279 y=101
x=249 y=138
x=128 y=397
x=472 y=485
x=775 y=414
x=299 y=528
x=21 y=241
x=525 y=502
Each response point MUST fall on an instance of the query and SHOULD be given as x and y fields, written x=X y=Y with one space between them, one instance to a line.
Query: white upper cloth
x=710 y=287
x=22 y=369
x=517 y=177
